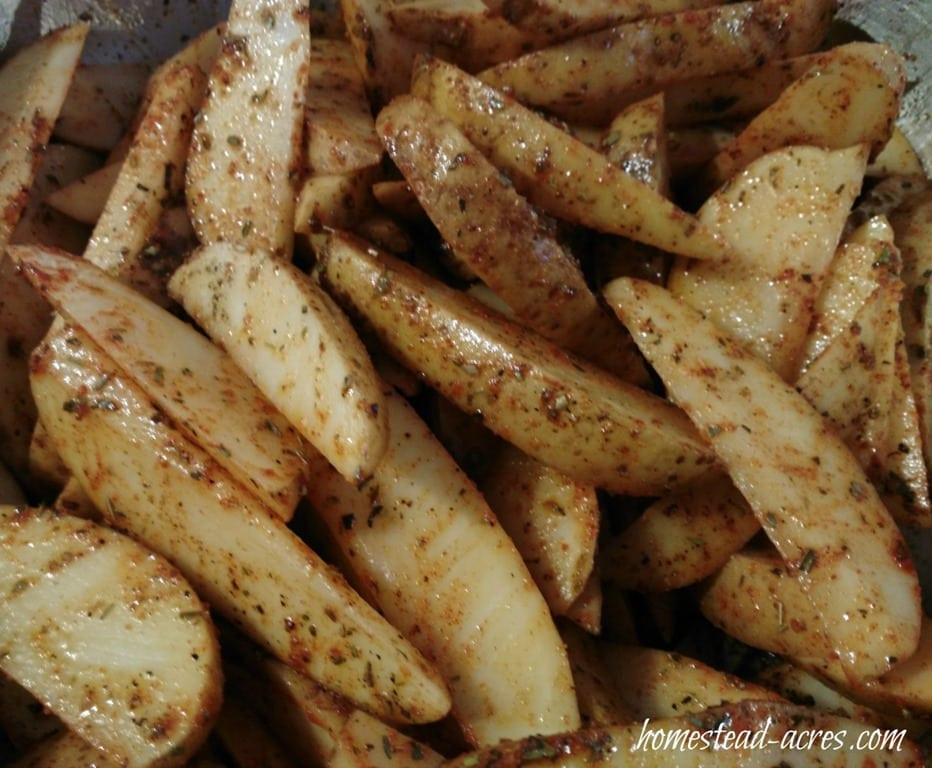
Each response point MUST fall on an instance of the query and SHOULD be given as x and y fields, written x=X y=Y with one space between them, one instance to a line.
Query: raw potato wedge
x=597 y=429
x=340 y=133
x=656 y=683
x=152 y=172
x=108 y=636
x=748 y=734
x=757 y=599
x=872 y=405
x=186 y=375
x=557 y=172
x=84 y=199
x=829 y=525
x=247 y=140
x=582 y=78
x=636 y=141
x=680 y=539
x=149 y=480
x=33 y=87
x=475 y=35
x=551 y=21
x=783 y=216
x=841 y=103
x=421 y=521
x=500 y=237
x=912 y=225
x=382 y=55
x=295 y=344
x=553 y=521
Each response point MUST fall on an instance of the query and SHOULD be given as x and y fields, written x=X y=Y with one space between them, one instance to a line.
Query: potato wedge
x=247 y=140
x=500 y=237
x=152 y=172
x=783 y=216
x=476 y=36
x=63 y=750
x=872 y=405
x=551 y=21
x=553 y=521
x=39 y=222
x=757 y=599
x=655 y=683
x=33 y=87
x=582 y=78
x=912 y=225
x=108 y=636
x=304 y=354
x=187 y=376
x=149 y=480
x=10 y=491
x=340 y=133
x=680 y=539
x=750 y=734
x=839 y=103
x=830 y=526
x=85 y=198
x=636 y=141
x=556 y=171
x=597 y=429
x=383 y=56
x=401 y=532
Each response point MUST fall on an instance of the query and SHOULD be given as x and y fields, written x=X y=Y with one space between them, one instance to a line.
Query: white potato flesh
x=188 y=376
x=680 y=539
x=441 y=568
x=500 y=236
x=149 y=480
x=595 y=428
x=757 y=599
x=84 y=199
x=340 y=131
x=295 y=344
x=783 y=216
x=557 y=172
x=553 y=521
x=585 y=77
x=839 y=103
x=872 y=405
x=248 y=135
x=33 y=87
x=108 y=636
x=750 y=734
x=912 y=225
x=829 y=524
x=151 y=173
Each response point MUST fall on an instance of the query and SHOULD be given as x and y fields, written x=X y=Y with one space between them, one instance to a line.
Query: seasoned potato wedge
x=784 y=216
x=839 y=103
x=303 y=354
x=764 y=431
x=556 y=171
x=252 y=569
x=582 y=78
x=191 y=379
x=553 y=521
x=246 y=146
x=33 y=86
x=108 y=636
x=403 y=531
x=84 y=198
x=499 y=236
x=636 y=140
x=152 y=172
x=680 y=539
x=339 y=131
x=596 y=428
